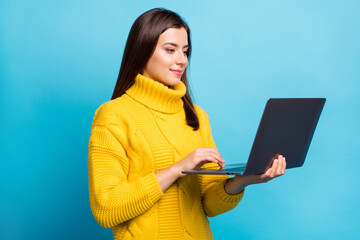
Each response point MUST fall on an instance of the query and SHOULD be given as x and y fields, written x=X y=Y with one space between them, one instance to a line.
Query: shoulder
x=202 y=115
x=204 y=120
x=111 y=112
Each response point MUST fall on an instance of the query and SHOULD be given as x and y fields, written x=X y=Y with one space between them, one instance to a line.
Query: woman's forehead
x=177 y=36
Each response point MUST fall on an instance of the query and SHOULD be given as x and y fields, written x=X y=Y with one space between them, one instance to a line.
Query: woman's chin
x=171 y=82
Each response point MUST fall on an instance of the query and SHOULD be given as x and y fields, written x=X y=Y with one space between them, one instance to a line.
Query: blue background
x=59 y=61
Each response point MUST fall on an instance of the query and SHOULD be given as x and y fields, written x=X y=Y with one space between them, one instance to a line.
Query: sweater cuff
x=152 y=187
x=224 y=196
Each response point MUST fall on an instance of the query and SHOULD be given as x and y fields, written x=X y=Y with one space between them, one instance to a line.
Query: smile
x=177 y=72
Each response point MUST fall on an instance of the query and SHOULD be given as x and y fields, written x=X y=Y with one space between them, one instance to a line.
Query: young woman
x=148 y=133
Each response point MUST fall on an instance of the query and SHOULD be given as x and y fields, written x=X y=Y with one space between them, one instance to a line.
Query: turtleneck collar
x=156 y=95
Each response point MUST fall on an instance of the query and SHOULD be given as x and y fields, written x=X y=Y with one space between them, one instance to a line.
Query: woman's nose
x=181 y=58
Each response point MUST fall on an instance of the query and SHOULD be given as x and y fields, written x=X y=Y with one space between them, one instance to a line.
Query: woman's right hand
x=194 y=160
x=197 y=158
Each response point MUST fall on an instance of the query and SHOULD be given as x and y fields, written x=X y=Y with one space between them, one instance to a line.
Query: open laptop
x=286 y=127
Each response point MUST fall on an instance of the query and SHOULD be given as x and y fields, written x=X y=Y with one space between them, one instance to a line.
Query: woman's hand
x=238 y=183
x=197 y=158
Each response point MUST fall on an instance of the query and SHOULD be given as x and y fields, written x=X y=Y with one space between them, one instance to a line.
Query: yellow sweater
x=133 y=137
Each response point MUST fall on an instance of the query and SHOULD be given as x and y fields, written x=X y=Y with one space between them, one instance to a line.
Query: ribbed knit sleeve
x=215 y=199
x=113 y=198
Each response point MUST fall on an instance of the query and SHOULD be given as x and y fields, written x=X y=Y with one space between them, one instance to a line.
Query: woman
x=148 y=133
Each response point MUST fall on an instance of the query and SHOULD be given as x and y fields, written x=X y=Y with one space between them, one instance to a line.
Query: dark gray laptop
x=286 y=127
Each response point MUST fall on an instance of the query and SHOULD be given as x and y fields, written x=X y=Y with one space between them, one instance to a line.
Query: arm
x=113 y=198
x=225 y=195
x=232 y=189
x=238 y=183
x=216 y=199
x=220 y=193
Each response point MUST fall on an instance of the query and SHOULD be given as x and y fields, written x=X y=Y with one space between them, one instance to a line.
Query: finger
x=210 y=161
x=284 y=165
x=214 y=151
x=265 y=177
x=221 y=165
x=279 y=170
x=280 y=164
x=274 y=168
x=208 y=157
x=269 y=170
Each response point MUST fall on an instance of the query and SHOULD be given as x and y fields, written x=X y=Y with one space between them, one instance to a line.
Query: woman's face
x=169 y=60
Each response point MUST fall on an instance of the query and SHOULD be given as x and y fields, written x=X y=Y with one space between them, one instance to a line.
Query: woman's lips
x=177 y=72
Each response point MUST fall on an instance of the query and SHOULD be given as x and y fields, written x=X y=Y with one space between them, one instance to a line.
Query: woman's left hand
x=239 y=182
x=277 y=169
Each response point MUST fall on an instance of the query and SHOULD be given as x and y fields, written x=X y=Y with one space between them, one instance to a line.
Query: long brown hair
x=140 y=45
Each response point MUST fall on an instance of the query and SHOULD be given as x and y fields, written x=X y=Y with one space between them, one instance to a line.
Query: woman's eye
x=170 y=50
x=186 y=53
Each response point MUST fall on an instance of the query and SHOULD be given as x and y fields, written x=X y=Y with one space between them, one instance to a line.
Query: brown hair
x=140 y=45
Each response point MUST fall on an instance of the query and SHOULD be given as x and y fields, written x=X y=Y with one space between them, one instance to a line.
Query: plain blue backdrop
x=59 y=61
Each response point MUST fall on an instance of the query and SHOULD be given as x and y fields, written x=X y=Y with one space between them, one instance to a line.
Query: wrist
x=246 y=180
x=176 y=171
x=241 y=181
x=235 y=185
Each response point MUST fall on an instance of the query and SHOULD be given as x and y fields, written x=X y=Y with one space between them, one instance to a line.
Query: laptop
x=286 y=127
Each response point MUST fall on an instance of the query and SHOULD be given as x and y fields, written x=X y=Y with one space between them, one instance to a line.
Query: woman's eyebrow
x=175 y=45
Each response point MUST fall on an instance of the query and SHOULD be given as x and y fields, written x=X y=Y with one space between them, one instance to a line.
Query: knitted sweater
x=133 y=137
